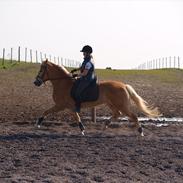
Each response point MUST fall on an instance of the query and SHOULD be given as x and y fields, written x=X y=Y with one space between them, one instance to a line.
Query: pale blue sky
x=123 y=34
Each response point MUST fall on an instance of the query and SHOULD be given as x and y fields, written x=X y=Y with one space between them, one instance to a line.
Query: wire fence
x=33 y=56
x=161 y=63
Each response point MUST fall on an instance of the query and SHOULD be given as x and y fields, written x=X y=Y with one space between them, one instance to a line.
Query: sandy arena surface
x=59 y=153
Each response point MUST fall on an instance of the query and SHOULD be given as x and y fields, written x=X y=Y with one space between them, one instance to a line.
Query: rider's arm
x=84 y=73
x=87 y=68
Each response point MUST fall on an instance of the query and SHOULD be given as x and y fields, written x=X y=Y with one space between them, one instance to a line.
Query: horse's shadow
x=33 y=136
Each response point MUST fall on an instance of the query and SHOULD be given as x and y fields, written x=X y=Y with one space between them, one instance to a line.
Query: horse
x=115 y=94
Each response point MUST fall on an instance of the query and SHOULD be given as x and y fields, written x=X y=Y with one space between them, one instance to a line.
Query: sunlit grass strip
x=161 y=75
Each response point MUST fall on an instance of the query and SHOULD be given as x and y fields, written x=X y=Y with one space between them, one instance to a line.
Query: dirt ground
x=59 y=153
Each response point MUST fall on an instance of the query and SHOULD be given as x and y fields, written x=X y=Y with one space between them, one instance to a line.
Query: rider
x=86 y=75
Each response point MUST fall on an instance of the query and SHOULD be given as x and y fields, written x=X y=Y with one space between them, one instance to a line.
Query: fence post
x=19 y=54
x=178 y=60
x=11 y=58
x=65 y=63
x=61 y=61
x=25 y=54
x=41 y=56
x=166 y=62
x=36 y=57
x=174 y=62
x=31 y=55
x=45 y=56
x=94 y=114
x=170 y=62
x=58 y=61
x=3 y=56
x=153 y=63
x=159 y=63
x=163 y=62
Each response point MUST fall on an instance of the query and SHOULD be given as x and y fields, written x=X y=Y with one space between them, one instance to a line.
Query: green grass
x=13 y=64
x=160 y=75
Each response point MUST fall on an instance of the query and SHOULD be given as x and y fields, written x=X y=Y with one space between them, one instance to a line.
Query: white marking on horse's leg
x=142 y=134
x=39 y=126
x=83 y=132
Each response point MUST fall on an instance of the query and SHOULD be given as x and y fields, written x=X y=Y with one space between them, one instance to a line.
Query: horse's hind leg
x=115 y=114
x=45 y=113
x=133 y=118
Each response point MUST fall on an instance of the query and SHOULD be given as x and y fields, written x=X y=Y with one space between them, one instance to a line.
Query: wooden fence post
x=174 y=62
x=25 y=54
x=19 y=54
x=58 y=60
x=31 y=55
x=41 y=56
x=170 y=62
x=163 y=62
x=36 y=57
x=178 y=59
x=61 y=61
x=166 y=63
x=3 y=56
x=11 y=58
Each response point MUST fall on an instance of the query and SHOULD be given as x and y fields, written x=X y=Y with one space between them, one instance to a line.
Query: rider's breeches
x=80 y=88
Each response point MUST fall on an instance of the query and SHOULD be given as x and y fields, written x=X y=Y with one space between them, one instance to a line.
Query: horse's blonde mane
x=64 y=69
x=60 y=67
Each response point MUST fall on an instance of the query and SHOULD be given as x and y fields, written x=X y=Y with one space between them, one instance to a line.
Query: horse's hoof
x=39 y=122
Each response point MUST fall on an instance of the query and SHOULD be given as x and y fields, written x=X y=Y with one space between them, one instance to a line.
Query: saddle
x=91 y=93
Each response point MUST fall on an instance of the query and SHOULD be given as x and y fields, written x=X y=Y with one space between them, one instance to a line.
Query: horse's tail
x=142 y=104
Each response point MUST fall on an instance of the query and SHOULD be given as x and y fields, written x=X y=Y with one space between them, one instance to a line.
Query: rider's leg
x=80 y=88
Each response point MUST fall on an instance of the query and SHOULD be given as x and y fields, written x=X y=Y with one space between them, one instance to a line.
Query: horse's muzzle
x=38 y=82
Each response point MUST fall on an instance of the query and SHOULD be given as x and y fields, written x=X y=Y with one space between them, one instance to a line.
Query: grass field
x=172 y=76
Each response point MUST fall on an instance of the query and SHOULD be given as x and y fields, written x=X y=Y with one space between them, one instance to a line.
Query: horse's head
x=50 y=71
x=42 y=75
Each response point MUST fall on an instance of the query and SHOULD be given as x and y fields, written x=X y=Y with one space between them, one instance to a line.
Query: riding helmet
x=87 y=49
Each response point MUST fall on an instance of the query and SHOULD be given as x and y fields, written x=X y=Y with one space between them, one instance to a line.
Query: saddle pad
x=91 y=93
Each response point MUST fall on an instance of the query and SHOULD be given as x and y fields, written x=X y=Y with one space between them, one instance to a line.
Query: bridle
x=44 y=71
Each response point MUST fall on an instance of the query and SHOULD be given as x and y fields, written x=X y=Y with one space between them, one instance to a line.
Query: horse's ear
x=46 y=60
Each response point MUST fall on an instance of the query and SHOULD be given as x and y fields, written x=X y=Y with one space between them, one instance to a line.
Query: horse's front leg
x=80 y=124
x=47 y=112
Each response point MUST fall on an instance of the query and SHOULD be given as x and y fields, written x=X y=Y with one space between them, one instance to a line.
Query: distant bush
x=108 y=68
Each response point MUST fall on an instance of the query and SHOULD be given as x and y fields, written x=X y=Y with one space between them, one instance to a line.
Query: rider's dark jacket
x=90 y=75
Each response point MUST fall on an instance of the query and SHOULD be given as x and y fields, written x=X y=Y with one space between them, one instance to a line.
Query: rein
x=45 y=71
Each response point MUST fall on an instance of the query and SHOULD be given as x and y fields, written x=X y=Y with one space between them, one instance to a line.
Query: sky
x=123 y=33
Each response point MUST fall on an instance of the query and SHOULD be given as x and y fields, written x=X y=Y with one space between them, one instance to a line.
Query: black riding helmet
x=87 y=49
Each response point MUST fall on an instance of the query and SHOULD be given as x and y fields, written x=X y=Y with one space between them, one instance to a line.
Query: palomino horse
x=116 y=95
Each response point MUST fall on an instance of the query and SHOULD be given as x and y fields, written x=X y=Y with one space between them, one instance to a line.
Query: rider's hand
x=74 y=75
x=74 y=70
